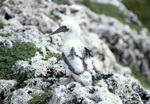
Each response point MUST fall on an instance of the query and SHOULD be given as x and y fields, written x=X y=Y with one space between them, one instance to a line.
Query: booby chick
x=76 y=57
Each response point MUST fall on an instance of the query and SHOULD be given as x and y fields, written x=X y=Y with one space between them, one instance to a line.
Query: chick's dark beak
x=60 y=29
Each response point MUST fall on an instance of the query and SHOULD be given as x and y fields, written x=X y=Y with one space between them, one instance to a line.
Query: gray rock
x=26 y=15
x=111 y=89
x=129 y=91
x=5 y=42
x=74 y=93
x=128 y=45
x=23 y=95
x=6 y=88
x=44 y=84
x=37 y=67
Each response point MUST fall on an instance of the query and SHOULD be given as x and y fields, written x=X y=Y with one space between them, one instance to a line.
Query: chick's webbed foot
x=67 y=81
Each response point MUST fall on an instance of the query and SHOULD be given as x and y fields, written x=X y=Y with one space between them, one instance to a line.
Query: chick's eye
x=65 y=26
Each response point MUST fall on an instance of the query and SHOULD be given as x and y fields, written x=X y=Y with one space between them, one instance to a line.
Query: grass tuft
x=1 y=25
x=141 y=9
x=5 y=35
x=143 y=79
x=95 y=81
x=109 y=10
x=41 y=98
x=2 y=4
x=60 y=2
x=9 y=97
x=57 y=55
x=54 y=18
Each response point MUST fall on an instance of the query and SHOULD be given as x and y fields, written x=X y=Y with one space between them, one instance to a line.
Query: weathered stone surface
x=128 y=45
x=5 y=42
x=74 y=93
x=22 y=95
x=37 y=67
x=6 y=88
x=111 y=89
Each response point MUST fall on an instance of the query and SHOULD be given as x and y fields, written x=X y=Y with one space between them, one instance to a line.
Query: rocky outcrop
x=33 y=20
x=74 y=93
x=111 y=89
x=129 y=46
x=22 y=95
x=6 y=88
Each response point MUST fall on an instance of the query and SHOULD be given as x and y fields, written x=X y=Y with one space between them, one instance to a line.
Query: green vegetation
x=60 y=2
x=2 y=4
x=57 y=55
x=109 y=10
x=8 y=57
x=5 y=35
x=2 y=25
x=95 y=81
x=141 y=8
x=41 y=98
x=12 y=3
x=143 y=79
x=55 y=18
x=9 y=97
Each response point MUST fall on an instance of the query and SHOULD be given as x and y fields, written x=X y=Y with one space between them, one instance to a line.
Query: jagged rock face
x=31 y=21
x=111 y=89
x=6 y=87
x=29 y=13
x=74 y=93
x=129 y=46
x=22 y=95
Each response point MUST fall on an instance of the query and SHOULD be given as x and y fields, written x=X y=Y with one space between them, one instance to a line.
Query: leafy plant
x=59 y=2
x=54 y=18
x=109 y=10
x=141 y=9
x=1 y=25
x=9 y=97
x=8 y=57
x=143 y=79
x=95 y=81
x=41 y=98
x=57 y=55
x=5 y=35
x=2 y=4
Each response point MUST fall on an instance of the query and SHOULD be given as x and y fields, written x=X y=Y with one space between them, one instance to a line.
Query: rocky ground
x=111 y=42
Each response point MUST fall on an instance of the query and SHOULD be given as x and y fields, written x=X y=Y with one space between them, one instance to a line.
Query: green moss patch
x=143 y=79
x=95 y=81
x=141 y=8
x=57 y=55
x=8 y=57
x=55 y=18
x=41 y=98
x=109 y=10
x=5 y=35
x=2 y=4
x=9 y=97
x=1 y=25
x=60 y=2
